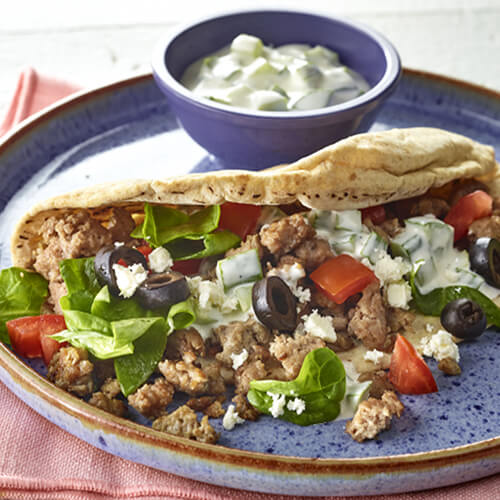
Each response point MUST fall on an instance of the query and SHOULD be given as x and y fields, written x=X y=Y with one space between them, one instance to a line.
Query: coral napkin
x=38 y=460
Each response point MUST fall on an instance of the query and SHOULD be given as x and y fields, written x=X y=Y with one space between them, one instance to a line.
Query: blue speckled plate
x=127 y=130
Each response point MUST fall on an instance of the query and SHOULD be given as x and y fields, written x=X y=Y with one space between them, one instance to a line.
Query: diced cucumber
x=311 y=75
x=373 y=247
x=345 y=94
x=244 y=295
x=324 y=220
x=343 y=241
x=247 y=45
x=349 y=220
x=425 y=273
x=239 y=268
x=277 y=88
x=321 y=56
x=315 y=99
x=267 y=100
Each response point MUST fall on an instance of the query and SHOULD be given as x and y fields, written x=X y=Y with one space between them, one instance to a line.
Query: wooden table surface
x=93 y=42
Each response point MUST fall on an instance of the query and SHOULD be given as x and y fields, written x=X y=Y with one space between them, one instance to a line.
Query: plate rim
x=332 y=468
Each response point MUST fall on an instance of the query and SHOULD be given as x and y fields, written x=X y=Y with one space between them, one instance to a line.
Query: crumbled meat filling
x=380 y=382
x=244 y=408
x=430 y=205
x=449 y=366
x=368 y=319
x=152 y=399
x=185 y=376
x=111 y=405
x=71 y=370
x=313 y=252
x=183 y=422
x=374 y=416
x=252 y=241
x=291 y=351
x=286 y=234
x=486 y=227
x=183 y=341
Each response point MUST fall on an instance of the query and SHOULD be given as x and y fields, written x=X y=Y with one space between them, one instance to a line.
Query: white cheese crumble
x=320 y=326
x=129 y=278
x=388 y=269
x=118 y=244
x=279 y=402
x=440 y=346
x=297 y=405
x=231 y=418
x=291 y=274
x=210 y=294
x=160 y=260
x=239 y=359
x=398 y=294
x=429 y=328
x=374 y=356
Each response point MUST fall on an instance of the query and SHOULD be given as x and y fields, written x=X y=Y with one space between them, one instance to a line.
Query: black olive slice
x=274 y=304
x=463 y=318
x=162 y=290
x=108 y=256
x=485 y=259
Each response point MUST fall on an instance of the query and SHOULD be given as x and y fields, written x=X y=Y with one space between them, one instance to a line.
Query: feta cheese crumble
x=297 y=405
x=279 y=402
x=398 y=294
x=239 y=359
x=210 y=294
x=374 y=356
x=160 y=260
x=129 y=278
x=320 y=326
x=231 y=418
x=291 y=274
x=388 y=269
x=440 y=346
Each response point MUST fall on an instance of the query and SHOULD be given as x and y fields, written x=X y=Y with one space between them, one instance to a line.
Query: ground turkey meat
x=313 y=253
x=183 y=341
x=152 y=399
x=72 y=236
x=485 y=227
x=209 y=405
x=379 y=382
x=244 y=408
x=374 y=416
x=329 y=308
x=252 y=241
x=368 y=321
x=286 y=234
x=111 y=405
x=184 y=375
x=237 y=336
x=183 y=422
x=291 y=351
x=71 y=370
x=430 y=205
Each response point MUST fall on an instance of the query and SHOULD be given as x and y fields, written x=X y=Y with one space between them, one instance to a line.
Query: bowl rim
x=384 y=86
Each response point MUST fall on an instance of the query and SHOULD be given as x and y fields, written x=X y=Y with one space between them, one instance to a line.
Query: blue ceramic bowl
x=256 y=139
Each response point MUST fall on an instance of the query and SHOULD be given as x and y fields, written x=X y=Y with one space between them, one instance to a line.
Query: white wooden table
x=92 y=42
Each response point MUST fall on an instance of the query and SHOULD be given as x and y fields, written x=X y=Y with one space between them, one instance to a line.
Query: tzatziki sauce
x=292 y=77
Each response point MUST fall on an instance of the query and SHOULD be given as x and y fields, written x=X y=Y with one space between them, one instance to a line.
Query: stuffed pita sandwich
x=296 y=287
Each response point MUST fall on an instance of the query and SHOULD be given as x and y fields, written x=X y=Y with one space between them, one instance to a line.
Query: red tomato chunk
x=342 y=277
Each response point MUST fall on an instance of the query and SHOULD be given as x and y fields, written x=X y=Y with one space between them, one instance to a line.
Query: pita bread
x=363 y=170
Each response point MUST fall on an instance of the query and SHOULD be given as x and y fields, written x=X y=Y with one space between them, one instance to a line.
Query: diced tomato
x=187 y=267
x=50 y=324
x=122 y=262
x=145 y=250
x=376 y=214
x=466 y=210
x=24 y=334
x=341 y=277
x=29 y=335
x=408 y=372
x=239 y=218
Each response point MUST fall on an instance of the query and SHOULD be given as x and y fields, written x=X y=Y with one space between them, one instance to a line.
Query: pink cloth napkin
x=38 y=460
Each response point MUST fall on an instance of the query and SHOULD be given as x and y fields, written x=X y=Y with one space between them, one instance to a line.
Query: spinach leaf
x=163 y=224
x=320 y=384
x=205 y=246
x=81 y=282
x=434 y=302
x=80 y=321
x=133 y=370
x=181 y=315
x=112 y=308
x=22 y=293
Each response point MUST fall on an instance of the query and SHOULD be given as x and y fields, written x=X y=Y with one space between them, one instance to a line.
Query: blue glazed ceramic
x=257 y=139
x=128 y=130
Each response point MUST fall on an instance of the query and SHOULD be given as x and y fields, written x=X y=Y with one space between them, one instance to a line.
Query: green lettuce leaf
x=198 y=248
x=81 y=282
x=22 y=293
x=162 y=224
x=133 y=370
x=320 y=384
x=434 y=302
x=112 y=308
x=181 y=315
